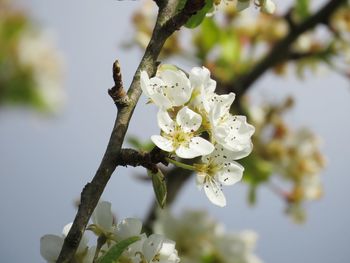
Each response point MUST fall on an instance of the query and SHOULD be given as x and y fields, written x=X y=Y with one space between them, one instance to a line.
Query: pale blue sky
x=45 y=162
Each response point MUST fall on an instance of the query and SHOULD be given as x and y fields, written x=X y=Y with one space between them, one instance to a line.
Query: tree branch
x=165 y=25
x=281 y=50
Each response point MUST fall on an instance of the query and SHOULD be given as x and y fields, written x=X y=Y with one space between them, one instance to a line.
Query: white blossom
x=170 y=88
x=155 y=248
x=180 y=136
x=51 y=245
x=102 y=218
x=203 y=88
x=218 y=169
x=233 y=132
x=128 y=227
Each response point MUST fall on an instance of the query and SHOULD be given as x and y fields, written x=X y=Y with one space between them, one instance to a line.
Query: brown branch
x=166 y=24
x=148 y=160
x=281 y=49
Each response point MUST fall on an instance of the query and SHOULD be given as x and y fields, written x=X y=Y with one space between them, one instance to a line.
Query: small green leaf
x=196 y=19
x=113 y=254
x=146 y=146
x=159 y=187
x=302 y=8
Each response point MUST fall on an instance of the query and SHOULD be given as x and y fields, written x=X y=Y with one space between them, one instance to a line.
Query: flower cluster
x=196 y=122
x=199 y=238
x=293 y=156
x=155 y=248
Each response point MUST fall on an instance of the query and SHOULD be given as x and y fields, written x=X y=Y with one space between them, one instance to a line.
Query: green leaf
x=302 y=8
x=197 y=19
x=113 y=254
x=146 y=146
x=159 y=187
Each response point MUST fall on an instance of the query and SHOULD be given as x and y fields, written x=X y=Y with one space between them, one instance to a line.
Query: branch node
x=117 y=92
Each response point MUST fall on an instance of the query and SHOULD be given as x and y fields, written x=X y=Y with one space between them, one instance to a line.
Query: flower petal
x=220 y=105
x=102 y=216
x=152 y=245
x=186 y=153
x=50 y=247
x=200 y=79
x=144 y=83
x=128 y=227
x=189 y=120
x=230 y=173
x=162 y=143
x=165 y=123
x=214 y=192
x=202 y=146
x=178 y=87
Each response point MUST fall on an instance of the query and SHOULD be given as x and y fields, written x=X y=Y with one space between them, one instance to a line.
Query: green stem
x=180 y=164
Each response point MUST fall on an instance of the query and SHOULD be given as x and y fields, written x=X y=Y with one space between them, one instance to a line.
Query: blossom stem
x=180 y=164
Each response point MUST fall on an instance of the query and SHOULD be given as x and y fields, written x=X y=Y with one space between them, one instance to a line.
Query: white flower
x=203 y=88
x=128 y=227
x=217 y=169
x=233 y=132
x=51 y=245
x=155 y=248
x=180 y=136
x=102 y=218
x=170 y=88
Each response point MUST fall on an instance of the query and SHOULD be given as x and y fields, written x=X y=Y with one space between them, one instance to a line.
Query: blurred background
x=46 y=159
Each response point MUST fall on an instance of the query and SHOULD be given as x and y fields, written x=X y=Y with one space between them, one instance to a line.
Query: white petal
x=178 y=87
x=242 y=4
x=220 y=105
x=200 y=178
x=66 y=229
x=214 y=193
x=144 y=83
x=165 y=123
x=200 y=79
x=151 y=246
x=161 y=100
x=50 y=247
x=162 y=143
x=189 y=120
x=202 y=146
x=223 y=155
x=128 y=227
x=230 y=173
x=102 y=216
x=186 y=153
